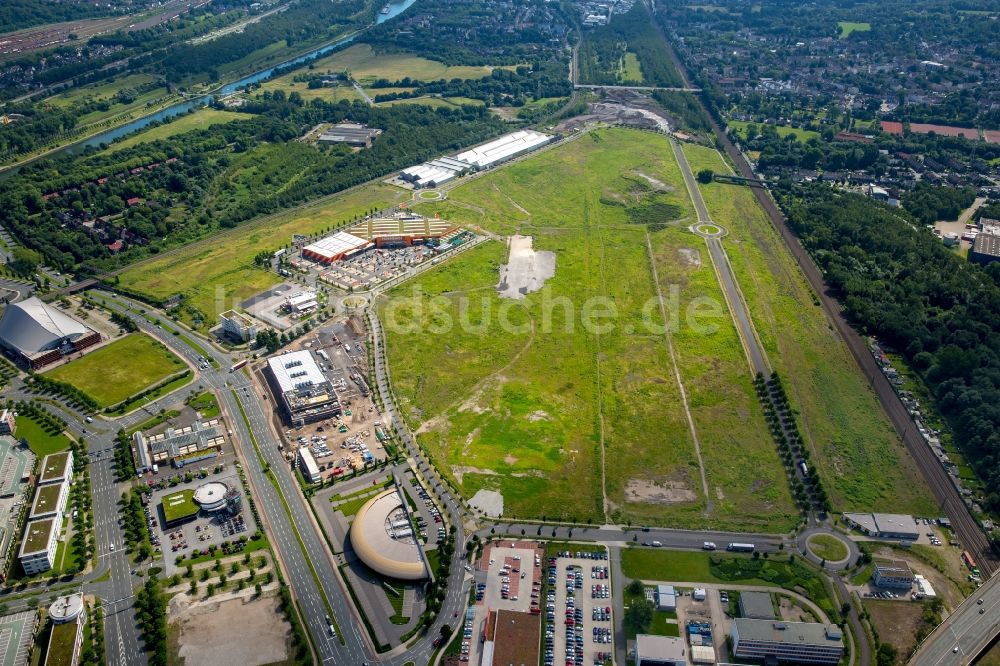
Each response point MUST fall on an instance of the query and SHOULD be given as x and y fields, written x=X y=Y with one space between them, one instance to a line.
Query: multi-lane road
x=301 y=548
x=968 y=631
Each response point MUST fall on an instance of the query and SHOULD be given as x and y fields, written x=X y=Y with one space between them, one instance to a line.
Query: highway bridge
x=967 y=632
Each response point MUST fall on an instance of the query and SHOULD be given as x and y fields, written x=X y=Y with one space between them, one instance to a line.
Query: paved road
x=734 y=298
x=966 y=629
x=944 y=490
x=235 y=389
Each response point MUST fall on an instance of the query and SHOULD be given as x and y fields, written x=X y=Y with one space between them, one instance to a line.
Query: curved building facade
x=383 y=538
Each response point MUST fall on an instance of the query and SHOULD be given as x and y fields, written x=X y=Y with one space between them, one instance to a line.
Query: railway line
x=965 y=526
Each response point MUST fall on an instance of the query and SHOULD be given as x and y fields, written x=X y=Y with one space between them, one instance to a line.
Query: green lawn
x=847 y=27
x=631 y=69
x=120 y=369
x=365 y=66
x=179 y=505
x=200 y=119
x=778 y=571
x=667 y=565
x=40 y=441
x=225 y=261
x=827 y=547
x=783 y=130
x=352 y=506
x=839 y=415
x=205 y=403
x=518 y=408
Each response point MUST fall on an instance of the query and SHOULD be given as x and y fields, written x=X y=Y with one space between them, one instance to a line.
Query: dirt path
x=677 y=375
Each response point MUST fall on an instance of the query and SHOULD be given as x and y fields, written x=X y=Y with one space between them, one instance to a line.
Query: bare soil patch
x=526 y=270
x=897 y=623
x=658 y=492
x=690 y=256
x=249 y=633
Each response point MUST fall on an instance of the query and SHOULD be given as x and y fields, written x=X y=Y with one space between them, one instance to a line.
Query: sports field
x=120 y=369
x=839 y=416
x=218 y=273
x=550 y=411
x=200 y=119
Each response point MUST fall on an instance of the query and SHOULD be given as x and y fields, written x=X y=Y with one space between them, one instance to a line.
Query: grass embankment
x=517 y=396
x=839 y=415
x=120 y=369
x=218 y=273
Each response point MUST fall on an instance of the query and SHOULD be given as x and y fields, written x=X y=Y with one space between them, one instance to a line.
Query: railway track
x=965 y=526
x=972 y=537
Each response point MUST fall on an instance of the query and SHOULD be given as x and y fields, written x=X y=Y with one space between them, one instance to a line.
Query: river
x=395 y=9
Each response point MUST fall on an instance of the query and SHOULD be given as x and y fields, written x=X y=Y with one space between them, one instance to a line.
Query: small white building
x=698 y=594
x=666 y=598
x=659 y=651
x=302 y=302
x=238 y=326
x=307 y=463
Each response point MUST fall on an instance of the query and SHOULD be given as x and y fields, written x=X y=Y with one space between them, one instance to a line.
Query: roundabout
x=428 y=195
x=708 y=230
x=825 y=546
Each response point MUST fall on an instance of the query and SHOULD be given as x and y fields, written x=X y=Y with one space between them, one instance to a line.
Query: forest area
x=899 y=283
x=604 y=49
x=103 y=209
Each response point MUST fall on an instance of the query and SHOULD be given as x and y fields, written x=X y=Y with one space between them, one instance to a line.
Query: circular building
x=383 y=538
x=66 y=609
x=211 y=496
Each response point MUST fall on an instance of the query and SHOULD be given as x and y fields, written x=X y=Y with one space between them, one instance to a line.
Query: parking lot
x=508 y=577
x=206 y=529
x=374 y=266
x=578 y=614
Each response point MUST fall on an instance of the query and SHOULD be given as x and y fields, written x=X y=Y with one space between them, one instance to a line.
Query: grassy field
x=218 y=273
x=679 y=566
x=40 y=442
x=847 y=27
x=120 y=369
x=827 y=547
x=200 y=119
x=783 y=130
x=631 y=69
x=106 y=91
x=839 y=415
x=366 y=66
x=524 y=409
x=206 y=404
x=435 y=102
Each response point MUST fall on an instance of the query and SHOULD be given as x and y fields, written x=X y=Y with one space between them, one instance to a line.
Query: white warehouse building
x=505 y=148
